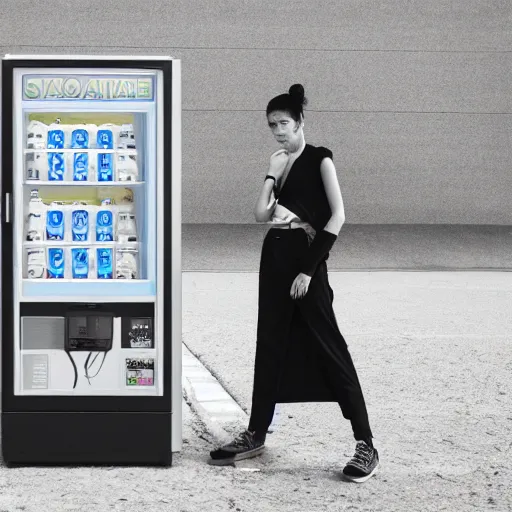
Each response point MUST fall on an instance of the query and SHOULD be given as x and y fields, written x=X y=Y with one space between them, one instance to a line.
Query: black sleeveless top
x=303 y=192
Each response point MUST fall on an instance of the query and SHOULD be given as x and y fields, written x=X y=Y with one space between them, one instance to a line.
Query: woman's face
x=285 y=129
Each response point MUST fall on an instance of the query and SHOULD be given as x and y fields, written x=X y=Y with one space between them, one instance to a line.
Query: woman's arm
x=264 y=206
x=325 y=238
x=333 y=192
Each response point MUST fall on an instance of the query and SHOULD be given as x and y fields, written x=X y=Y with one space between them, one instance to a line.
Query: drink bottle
x=36 y=263
x=104 y=263
x=56 y=263
x=105 y=222
x=35 y=224
x=55 y=221
x=126 y=263
x=126 y=228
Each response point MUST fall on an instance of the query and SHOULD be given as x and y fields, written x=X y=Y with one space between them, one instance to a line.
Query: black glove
x=317 y=251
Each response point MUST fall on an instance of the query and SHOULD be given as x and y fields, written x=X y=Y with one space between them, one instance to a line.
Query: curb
x=216 y=409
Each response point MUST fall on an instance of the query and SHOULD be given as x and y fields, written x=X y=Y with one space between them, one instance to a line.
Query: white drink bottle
x=36 y=263
x=126 y=168
x=37 y=134
x=36 y=166
x=126 y=228
x=126 y=138
x=126 y=263
x=36 y=211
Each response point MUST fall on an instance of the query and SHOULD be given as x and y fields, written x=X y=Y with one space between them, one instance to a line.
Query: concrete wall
x=413 y=97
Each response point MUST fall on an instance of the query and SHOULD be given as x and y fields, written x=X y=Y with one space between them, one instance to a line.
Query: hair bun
x=296 y=91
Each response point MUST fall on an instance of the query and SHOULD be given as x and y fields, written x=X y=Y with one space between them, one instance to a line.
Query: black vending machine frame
x=83 y=430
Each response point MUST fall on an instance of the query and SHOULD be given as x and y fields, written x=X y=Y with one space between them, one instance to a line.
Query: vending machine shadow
x=91 y=309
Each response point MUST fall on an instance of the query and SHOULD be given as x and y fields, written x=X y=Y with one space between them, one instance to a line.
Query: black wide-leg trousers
x=279 y=266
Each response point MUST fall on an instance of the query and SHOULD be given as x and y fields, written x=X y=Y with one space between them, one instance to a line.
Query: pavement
x=433 y=351
x=434 y=355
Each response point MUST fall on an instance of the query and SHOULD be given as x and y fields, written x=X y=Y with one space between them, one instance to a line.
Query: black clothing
x=303 y=192
x=318 y=251
x=301 y=355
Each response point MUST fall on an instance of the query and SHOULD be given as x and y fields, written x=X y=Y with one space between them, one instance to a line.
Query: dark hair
x=291 y=102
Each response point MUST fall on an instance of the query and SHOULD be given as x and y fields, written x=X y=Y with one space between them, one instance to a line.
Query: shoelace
x=363 y=454
x=244 y=439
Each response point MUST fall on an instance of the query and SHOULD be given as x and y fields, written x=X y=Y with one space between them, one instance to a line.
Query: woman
x=301 y=355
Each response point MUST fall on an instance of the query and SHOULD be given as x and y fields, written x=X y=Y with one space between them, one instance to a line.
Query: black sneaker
x=245 y=446
x=363 y=464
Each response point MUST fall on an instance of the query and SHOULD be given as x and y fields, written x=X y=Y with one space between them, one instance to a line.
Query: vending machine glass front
x=88 y=226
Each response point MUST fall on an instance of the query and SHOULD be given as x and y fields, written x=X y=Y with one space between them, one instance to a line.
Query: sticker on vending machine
x=35 y=371
x=140 y=371
x=137 y=332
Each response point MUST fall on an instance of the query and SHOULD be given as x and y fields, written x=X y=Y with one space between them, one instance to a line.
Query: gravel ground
x=289 y=477
x=433 y=352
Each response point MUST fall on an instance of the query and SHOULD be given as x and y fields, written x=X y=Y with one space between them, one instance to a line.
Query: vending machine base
x=86 y=438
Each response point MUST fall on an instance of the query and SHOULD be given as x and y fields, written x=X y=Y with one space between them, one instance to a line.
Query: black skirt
x=301 y=355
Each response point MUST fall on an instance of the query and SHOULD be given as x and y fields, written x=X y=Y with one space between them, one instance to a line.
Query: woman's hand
x=300 y=286
x=278 y=162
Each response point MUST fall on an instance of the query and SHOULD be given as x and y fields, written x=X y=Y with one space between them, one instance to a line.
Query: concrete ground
x=434 y=356
x=433 y=352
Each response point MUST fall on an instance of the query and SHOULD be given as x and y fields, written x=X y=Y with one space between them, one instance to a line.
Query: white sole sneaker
x=361 y=479
x=237 y=457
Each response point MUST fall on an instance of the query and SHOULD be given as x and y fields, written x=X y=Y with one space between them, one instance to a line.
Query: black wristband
x=271 y=177
x=318 y=250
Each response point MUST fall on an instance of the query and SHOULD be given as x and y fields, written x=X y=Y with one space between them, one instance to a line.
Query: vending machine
x=91 y=260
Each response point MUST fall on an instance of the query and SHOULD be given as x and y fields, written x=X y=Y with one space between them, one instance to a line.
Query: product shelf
x=57 y=183
x=81 y=290
x=93 y=244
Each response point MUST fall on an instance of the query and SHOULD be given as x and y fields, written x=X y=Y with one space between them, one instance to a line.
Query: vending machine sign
x=58 y=87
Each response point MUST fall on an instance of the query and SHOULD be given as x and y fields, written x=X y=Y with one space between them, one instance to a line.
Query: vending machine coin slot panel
x=88 y=331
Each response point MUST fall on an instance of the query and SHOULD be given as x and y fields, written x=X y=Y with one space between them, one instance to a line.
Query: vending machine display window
x=89 y=183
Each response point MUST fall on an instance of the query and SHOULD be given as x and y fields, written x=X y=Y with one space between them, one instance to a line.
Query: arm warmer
x=318 y=250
